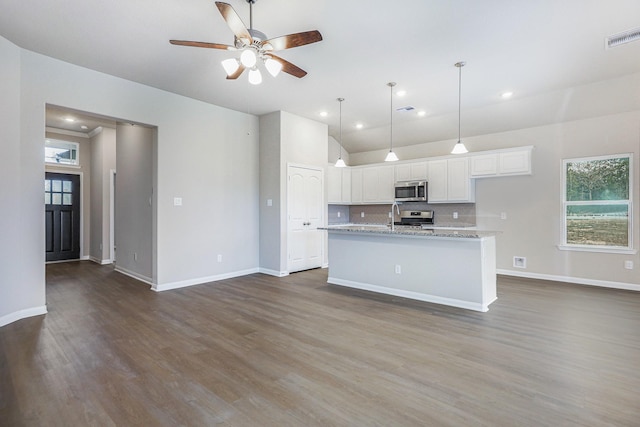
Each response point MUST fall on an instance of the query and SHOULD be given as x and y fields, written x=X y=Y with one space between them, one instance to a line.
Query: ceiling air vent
x=622 y=38
x=407 y=108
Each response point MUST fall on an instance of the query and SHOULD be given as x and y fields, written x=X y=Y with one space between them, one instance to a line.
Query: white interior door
x=305 y=214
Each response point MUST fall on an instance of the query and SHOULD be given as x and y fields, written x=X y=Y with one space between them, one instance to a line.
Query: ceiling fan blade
x=202 y=44
x=237 y=73
x=289 y=68
x=234 y=22
x=292 y=40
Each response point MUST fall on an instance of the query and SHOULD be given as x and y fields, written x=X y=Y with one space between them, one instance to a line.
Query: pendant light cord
x=391 y=85
x=459 y=99
x=340 y=144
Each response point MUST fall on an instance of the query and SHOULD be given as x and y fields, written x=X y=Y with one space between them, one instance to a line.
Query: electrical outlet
x=398 y=269
x=177 y=201
x=503 y=215
x=628 y=265
x=100 y=246
x=519 y=262
x=361 y=214
x=269 y=202
x=455 y=215
x=338 y=214
x=219 y=257
x=389 y=214
x=135 y=256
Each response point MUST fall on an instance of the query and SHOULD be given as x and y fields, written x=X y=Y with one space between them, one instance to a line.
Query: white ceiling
x=541 y=50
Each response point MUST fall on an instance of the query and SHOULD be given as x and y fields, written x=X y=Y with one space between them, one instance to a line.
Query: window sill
x=599 y=249
x=63 y=166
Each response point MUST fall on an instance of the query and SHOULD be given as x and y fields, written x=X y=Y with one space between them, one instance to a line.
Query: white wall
x=533 y=203
x=284 y=139
x=334 y=152
x=206 y=154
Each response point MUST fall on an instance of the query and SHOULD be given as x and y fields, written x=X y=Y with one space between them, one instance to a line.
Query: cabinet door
x=515 y=163
x=356 y=185
x=484 y=166
x=437 y=181
x=403 y=172
x=334 y=184
x=458 y=185
x=418 y=171
x=346 y=185
x=370 y=184
x=386 y=191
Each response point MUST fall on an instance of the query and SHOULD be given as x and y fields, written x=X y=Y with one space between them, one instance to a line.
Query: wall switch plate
x=177 y=201
x=503 y=215
x=398 y=269
x=269 y=202
x=219 y=258
x=135 y=256
x=455 y=215
x=519 y=262
x=628 y=265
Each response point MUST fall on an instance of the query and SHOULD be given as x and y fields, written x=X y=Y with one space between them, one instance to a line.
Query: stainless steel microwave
x=411 y=191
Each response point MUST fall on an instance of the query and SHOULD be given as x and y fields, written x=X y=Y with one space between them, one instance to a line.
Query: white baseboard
x=135 y=275
x=569 y=279
x=85 y=258
x=22 y=314
x=100 y=261
x=201 y=280
x=410 y=294
x=275 y=273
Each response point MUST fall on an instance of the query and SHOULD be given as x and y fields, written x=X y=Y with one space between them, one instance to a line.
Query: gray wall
x=103 y=160
x=134 y=226
x=334 y=152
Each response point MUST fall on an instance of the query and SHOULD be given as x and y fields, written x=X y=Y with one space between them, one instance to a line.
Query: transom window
x=61 y=152
x=597 y=204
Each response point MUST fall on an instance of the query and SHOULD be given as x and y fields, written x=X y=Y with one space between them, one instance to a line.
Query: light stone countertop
x=399 y=230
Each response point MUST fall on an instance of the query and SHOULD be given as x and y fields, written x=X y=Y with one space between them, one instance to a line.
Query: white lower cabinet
x=449 y=181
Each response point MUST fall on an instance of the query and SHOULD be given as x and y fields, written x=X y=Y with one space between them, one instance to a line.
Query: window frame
x=51 y=142
x=629 y=249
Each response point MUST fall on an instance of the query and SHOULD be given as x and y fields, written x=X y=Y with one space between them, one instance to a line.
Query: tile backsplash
x=379 y=214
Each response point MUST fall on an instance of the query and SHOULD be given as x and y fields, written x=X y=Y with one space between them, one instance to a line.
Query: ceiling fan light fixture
x=230 y=66
x=255 y=77
x=248 y=58
x=273 y=67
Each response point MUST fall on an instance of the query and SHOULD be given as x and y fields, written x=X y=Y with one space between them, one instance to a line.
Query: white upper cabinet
x=416 y=171
x=501 y=163
x=338 y=185
x=377 y=184
x=449 y=181
x=356 y=185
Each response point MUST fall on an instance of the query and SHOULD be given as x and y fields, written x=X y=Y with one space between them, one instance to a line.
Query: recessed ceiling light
x=323 y=113
x=422 y=113
x=401 y=92
x=69 y=119
x=359 y=125
x=507 y=95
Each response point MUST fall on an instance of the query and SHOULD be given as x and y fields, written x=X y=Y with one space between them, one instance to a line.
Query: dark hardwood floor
x=294 y=351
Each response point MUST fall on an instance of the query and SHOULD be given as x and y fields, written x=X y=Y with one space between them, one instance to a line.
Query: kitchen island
x=455 y=267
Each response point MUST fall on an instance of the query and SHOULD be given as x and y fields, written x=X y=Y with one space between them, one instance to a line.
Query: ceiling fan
x=255 y=45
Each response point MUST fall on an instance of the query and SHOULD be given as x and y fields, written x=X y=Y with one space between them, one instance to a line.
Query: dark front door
x=62 y=216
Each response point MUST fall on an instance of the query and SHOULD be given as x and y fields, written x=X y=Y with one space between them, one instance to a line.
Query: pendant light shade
x=230 y=66
x=340 y=163
x=459 y=148
x=391 y=156
x=273 y=66
x=255 y=77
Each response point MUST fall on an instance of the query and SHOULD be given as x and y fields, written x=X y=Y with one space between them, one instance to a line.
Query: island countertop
x=399 y=230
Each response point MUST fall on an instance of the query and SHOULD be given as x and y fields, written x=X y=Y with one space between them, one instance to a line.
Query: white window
x=597 y=207
x=61 y=152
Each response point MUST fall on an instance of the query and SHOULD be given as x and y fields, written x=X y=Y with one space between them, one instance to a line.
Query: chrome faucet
x=392 y=216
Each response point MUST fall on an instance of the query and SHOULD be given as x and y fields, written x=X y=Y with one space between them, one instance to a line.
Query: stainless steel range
x=416 y=218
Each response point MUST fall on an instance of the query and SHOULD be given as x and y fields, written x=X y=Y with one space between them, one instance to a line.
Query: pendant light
x=391 y=156
x=459 y=148
x=340 y=163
